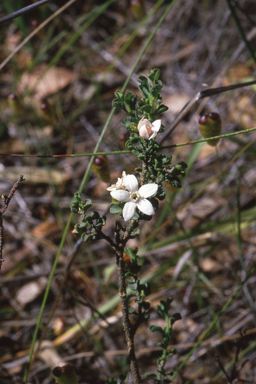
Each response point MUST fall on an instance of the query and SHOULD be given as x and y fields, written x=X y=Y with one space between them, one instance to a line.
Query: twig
x=6 y=199
x=33 y=33
x=240 y=29
x=223 y=369
x=22 y=11
x=200 y=95
x=129 y=334
x=128 y=329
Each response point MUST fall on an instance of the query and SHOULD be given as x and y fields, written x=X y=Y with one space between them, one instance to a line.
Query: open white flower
x=134 y=197
x=148 y=130
x=119 y=184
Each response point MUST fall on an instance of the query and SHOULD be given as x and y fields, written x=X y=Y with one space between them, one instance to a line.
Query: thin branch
x=129 y=334
x=240 y=29
x=6 y=199
x=33 y=33
x=200 y=95
x=22 y=11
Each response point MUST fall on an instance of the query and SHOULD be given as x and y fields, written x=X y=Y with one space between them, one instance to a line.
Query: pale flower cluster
x=119 y=184
x=127 y=191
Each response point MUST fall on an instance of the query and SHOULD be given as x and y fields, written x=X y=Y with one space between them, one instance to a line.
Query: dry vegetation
x=200 y=244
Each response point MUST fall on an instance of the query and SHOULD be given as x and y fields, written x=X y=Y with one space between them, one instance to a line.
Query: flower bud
x=210 y=125
x=122 y=139
x=126 y=258
x=44 y=212
x=34 y=24
x=15 y=104
x=138 y=8
x=100 y=167
x=148 y=130
x=64 y=373
x=47 y=112
x=58 y=326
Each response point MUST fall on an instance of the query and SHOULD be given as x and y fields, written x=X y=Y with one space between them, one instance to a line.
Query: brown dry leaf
x=100 y=189
x=167 y=57
x=244 y=112
x=206 y=151
x=45 y=228
x=36 y=175
x=13 y=258
x=43 y=84
x=176 y=102
x=209 y=265
x=48 y=353
x=184 y=329
x=14 y=146
x=30 y=291
x=236 y=73
x=13 y=40
x=199 y=211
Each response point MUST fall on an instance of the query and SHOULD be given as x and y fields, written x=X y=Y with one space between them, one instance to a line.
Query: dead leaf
x=236 y=73
x=36 y=175
x=44 y=82
x=48 y=353
x=176 y=102
x=209 y=265
x=30 y=291
x=46 y=228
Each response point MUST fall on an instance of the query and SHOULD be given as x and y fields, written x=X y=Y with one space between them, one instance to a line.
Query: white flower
x=119 y=184
x=134 y=197
x=148 y=130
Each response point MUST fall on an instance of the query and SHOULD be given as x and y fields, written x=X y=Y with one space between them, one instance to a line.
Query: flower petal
x=156 y=125
x=145 y=207
x=120 y=195
x=142 y=122
x=148 y=190
x=112 y=187
x=143 y=132
x=131 y=183
x=129 y=210
x=152 y=136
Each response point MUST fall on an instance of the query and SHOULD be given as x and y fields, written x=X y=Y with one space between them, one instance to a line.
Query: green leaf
x=133 y=285
x=94 y=215
x=132 y=252
x=142 y=80
x=111 y=381
x=75 y=204
x=145 y=305
x=65 y=374
x=155 y=90
x=119 y=95
x=145 y=91
x=130 y=123
x=118 y=104
x=114 y=209
x=162 y=108
x=154 y=75
x=154 y=328
x=86 y=238
x=130 y=100
x=146 y=108
x=131 y=310
x=145 y=288
x=175 y=317
x=147 y=374
x=135 y=233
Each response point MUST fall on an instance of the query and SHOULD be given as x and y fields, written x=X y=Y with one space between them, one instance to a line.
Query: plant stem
x=129 y=334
